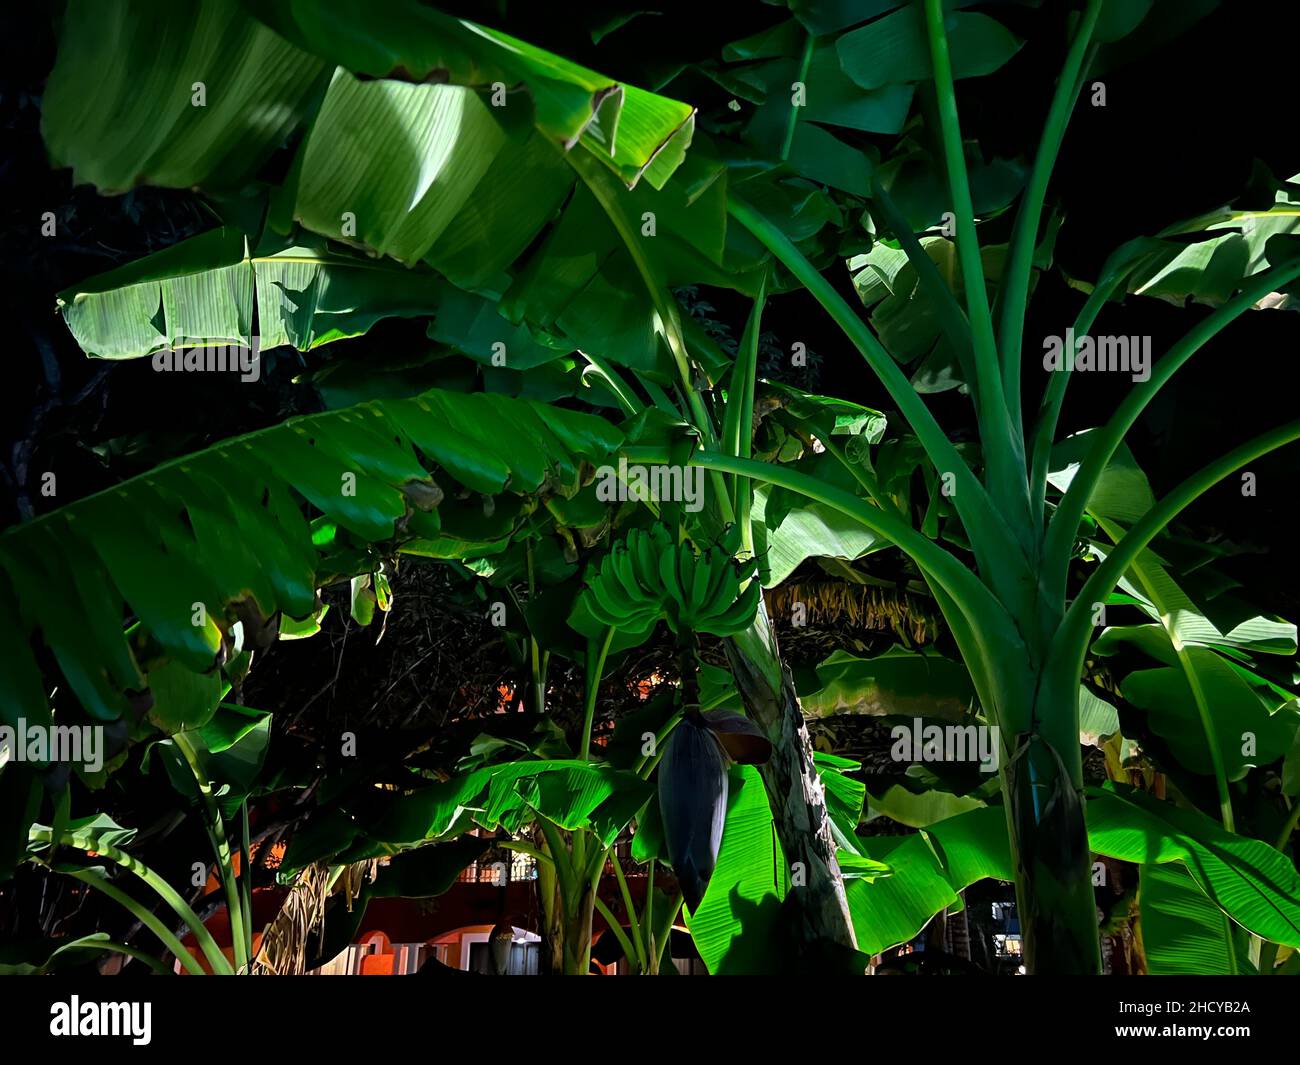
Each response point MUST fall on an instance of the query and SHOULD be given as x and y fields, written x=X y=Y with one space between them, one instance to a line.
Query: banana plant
x=1021 y=625
x=214 y=766
x=100 y=837
x=579 y=807
x=647 y=935
x=1023 y=630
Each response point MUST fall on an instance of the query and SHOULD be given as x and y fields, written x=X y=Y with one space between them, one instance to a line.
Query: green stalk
x=1292 y=820
x=633 y=926
x=629 y=951
x=1071 y=642
x=534 y=651
x=989 y=532
x=1000 y=428
x=607 y=191
x=578 y=856
x=661 y=399
x=594 y=672
x=910 y=404
x=1199 y=696
x=645 y=766
x=101 y=883
x=1054 y=396
x=246 y=876
x=647 y=922
x=221 y=845
x=1065 y=522
x=560 y=861
x=659 y=946
x=596 y=869
x=163 y=889
x=1014 y=288
x=605 y=188
x=618 y=387
x=738 y=432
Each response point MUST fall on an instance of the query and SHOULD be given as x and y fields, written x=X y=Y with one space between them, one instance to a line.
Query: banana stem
x=538 y=677
x=594 y=673
x=221 y=846
x=689 y=692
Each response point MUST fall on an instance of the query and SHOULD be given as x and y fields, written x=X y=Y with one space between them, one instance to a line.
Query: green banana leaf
x=862 y=79
x=896 y=683
x=204 y=541
x=844 y=794
x=1257 y=886
x=1245 y=729
x=1244 y=879
x=895 y=48
x=212 y=288
x=208 y=92
x=930 y=868
x=920 y=811
x=436 y=174
x=807 y=530
x=425 y=173
x=1228 y=245
x=183 y=699
x=633 y=132
x=570 y=793
x=1183 y=932
x=173 y=95
x=420 y=172
x=736 y=925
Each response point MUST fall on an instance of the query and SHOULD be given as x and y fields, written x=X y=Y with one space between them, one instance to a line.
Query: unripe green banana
x=739 y=615
x=705 y=567
x=625 y=574
x=613 y=589
x=668 y=574
x=607 y=602
x=685 y=575
x=647 y=564
x=722 y=572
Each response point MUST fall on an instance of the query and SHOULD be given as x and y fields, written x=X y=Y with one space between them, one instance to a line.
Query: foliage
x=542 y=227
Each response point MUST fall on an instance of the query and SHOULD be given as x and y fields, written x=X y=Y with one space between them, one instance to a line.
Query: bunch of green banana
x=626 y=592
x=647 y=577
x=705 y=591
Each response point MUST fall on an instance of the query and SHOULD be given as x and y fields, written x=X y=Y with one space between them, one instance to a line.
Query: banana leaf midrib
x=298 y=422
